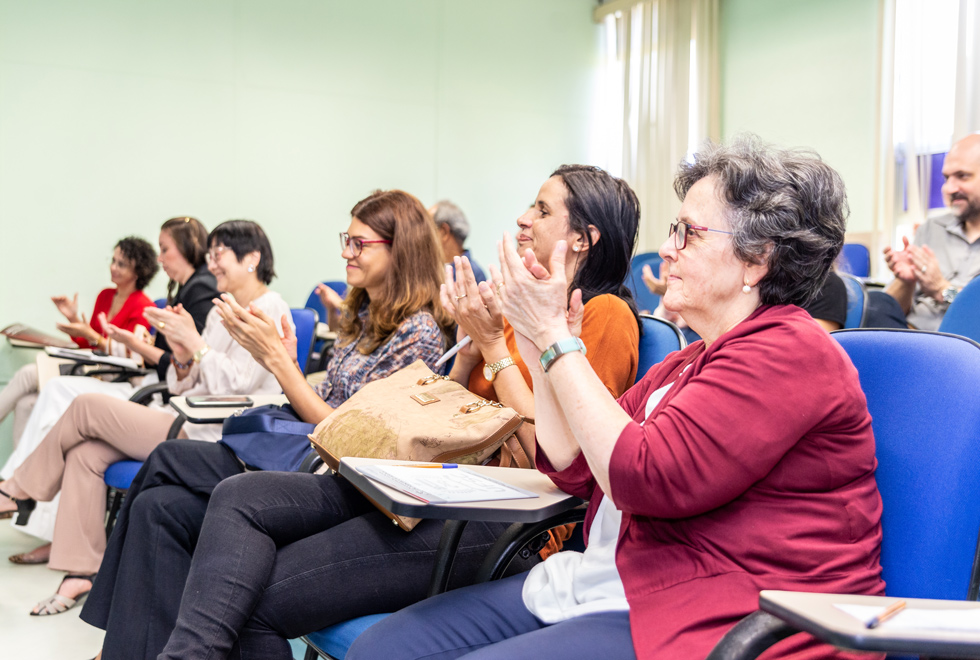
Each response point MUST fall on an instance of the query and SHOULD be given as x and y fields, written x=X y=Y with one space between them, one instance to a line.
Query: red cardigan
x=130 y=316
x=755 y=471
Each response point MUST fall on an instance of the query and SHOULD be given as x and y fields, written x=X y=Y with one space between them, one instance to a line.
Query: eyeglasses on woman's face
x=356 y=244
x=215 y=253
x=680 y=229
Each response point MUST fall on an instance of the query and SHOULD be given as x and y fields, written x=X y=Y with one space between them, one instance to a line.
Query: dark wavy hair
x=143 y=258
x=415 y=271
x=242 y=237
x=597 y=199
x=191 y=239
x=784 y=203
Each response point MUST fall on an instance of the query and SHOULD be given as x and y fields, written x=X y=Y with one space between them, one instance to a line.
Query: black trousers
x=137 y=592
x=278 y=555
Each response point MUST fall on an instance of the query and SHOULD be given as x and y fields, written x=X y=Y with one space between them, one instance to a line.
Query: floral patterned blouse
x=417 y=338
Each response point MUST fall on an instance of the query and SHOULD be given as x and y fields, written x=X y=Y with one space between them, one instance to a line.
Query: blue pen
x=442 y=466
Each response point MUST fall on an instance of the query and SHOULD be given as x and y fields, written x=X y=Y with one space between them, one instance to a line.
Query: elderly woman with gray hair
x=743 y=462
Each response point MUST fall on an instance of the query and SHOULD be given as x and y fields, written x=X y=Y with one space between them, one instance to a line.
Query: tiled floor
x=24 y=637
x=60 y=637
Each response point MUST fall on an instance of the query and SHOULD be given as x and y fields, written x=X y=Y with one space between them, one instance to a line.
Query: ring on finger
x=923 y=269
x=161 y=325
x=459 y=297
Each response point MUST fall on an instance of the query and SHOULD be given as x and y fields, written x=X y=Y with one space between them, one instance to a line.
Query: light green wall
x=803 y=73
x=116 y=115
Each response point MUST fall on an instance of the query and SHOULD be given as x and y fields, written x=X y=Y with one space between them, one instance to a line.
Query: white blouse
x=227 y=368
x=570 y=584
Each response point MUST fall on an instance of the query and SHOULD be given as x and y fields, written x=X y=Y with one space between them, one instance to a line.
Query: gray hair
x=784 y=203
x=448 y=213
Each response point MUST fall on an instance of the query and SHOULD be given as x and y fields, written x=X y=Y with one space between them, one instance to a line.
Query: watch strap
x=559 y=348
x=500 y=364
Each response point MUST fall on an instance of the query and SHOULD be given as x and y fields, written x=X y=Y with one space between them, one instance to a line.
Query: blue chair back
x=660 y=338
x=645 y=301
x=855 y=259
x=857 y=301
x=160 y=303
x=925 y=411
x=963 y=315
x=313 y=300
x=305 y=320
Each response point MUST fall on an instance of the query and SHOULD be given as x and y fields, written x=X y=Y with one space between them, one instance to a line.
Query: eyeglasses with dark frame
x=680 y=228
x=356 y=244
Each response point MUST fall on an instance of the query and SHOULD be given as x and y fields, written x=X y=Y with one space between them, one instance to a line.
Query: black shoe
x=24 y=508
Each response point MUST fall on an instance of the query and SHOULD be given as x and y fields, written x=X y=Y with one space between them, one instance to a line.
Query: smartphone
x=222 y=401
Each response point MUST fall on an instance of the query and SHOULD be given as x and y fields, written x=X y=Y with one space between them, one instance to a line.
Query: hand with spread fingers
x=80 y=329
x=68 y=307
x=535 y=301
x=900 y=262
x=115 y=333
x=332 y=302
x=476 y=309
x=257 y=332
x=656 y=285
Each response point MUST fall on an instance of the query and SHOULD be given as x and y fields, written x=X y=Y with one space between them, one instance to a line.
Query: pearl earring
x=251 y=268
x=746 y=288
x=575 y=248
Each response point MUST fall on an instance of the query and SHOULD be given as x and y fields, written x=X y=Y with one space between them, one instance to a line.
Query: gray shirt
x=959 y=261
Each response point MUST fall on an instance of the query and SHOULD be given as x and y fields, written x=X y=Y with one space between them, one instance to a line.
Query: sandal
x=25 y=507
x=57 y=603
x=38 y=555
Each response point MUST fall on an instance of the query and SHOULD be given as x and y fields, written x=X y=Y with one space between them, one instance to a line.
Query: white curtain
x=929 y=97
x=660 y=98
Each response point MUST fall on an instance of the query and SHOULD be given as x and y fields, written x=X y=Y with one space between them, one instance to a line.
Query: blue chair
x=118 y=478
x=926 y=444
x=305 y=320
x=660 y=338
x=963 y=315
x=645 y=301
x=855 y=259
x=313 y=300
x=857 y=302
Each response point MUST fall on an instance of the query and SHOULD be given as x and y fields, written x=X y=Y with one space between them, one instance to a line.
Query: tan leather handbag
x=415 y=415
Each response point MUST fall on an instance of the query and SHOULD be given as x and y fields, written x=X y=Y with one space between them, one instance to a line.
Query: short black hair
x=242 y=237
x=142 y=256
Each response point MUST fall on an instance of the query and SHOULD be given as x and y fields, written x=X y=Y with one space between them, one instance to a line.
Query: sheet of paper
x=441 y=486
x=79 y=354
x=918 y=619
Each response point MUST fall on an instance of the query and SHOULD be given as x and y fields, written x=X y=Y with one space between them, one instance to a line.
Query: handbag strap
x=511 y=453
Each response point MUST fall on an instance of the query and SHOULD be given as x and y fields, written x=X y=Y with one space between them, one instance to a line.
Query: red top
x=130 y=316
x=755 y=471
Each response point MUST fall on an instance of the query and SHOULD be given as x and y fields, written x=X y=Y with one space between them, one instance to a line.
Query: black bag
x=268 y=438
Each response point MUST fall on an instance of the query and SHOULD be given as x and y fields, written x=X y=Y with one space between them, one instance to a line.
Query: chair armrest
x=516 y=539
x=119 y=374
x=311 y=463
x=144 y=394
x=751 y=636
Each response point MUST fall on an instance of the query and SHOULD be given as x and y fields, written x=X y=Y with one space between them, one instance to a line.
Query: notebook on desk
x=24 y=336
x=442 y=486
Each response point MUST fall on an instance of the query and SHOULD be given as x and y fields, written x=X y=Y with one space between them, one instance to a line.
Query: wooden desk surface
x=216 y=415
x=816 y=614
x=549 y=502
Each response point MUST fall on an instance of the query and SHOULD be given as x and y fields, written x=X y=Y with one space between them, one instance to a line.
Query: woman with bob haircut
x=275 y=527
x=183 y=245
x=132 y=266
x=98 y=430
x=390 y=318
x=742 y=462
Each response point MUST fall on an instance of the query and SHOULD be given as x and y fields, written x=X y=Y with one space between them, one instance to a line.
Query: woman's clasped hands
x=178 y=327
x=257 y=332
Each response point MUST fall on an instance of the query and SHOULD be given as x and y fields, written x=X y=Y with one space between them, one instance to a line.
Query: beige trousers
x=96 y=431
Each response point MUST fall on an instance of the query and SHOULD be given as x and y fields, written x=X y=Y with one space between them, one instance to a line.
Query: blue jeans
x=490 y=622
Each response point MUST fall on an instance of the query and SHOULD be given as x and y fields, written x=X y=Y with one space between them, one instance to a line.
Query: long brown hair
x=415 y=270
x=191 y=239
